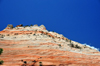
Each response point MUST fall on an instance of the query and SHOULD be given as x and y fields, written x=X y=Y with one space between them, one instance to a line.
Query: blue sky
x=78 y=20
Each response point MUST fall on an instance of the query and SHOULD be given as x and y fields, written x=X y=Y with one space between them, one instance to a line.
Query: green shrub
x=40 y=64
x=70 y=41
x=21 y=24
x=34 y=61
x=31 y=25
x=66 y=40
x=26 y=26
x=34 y=34
x=25 y=62
x=1 y=50
x=59 y=45
x=76 y=46
x=1 y=62
x=72 y=45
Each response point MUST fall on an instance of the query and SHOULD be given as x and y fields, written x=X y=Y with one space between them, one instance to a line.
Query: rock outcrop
x=9 y=26
x=43 y=27
x=35 y=25
x=34 y=46
x=1 y=36
x=19 y=25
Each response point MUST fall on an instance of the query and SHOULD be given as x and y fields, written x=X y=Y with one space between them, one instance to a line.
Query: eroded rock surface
x=9 y=26
x=34 y=45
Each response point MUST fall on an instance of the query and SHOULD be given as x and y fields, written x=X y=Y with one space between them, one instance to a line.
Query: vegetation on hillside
x=1 y=61
x=1 y=50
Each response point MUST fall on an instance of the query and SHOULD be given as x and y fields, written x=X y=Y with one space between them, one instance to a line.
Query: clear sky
x=78 y=20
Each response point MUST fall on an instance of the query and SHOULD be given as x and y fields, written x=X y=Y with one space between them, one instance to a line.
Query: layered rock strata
x=34 y=45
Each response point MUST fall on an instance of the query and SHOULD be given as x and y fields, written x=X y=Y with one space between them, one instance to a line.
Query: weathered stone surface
x=34 y=45
x=35 y=25
x=1 y=36
x=43 y=27
x=9 y=26
x=19 y=25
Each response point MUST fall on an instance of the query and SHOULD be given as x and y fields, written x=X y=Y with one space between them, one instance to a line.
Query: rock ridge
x=34 y=44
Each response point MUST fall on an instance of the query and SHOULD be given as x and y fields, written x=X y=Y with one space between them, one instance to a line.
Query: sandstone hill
x=34 y=46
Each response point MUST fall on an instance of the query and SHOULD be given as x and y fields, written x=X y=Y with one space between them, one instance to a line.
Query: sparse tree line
x=33 y=63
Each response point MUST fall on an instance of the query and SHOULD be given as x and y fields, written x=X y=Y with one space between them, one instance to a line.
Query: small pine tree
x=59 y=45
x=40 y=63
x=1 y=62
x=72 y=45
x=1 y=50
x=31 y=25
x=21 y=24
x=25 y=62
x=66 y=40
x=77 y=47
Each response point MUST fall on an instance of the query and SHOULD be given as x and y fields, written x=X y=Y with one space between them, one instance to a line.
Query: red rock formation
x=18 y=52
x=9 y=26
x=19 y=25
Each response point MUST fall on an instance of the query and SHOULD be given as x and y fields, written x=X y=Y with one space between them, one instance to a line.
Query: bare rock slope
x=34 y=46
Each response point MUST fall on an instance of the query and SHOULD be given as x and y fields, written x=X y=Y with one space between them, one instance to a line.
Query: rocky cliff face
x=34 y=45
